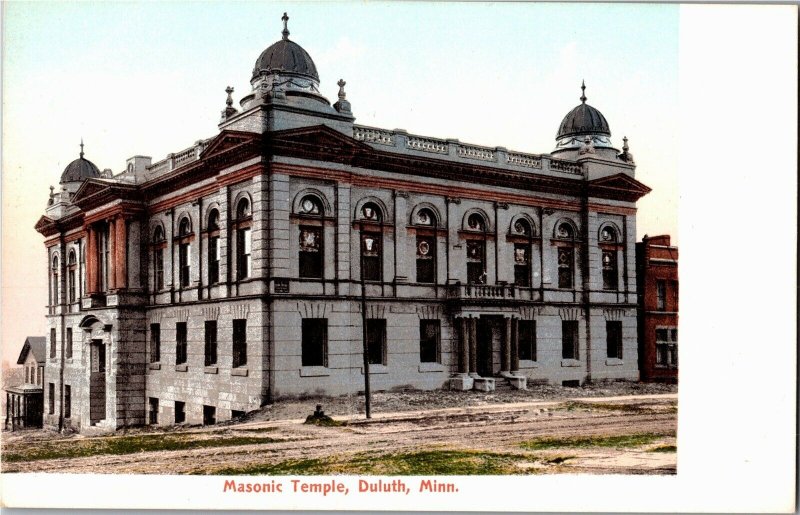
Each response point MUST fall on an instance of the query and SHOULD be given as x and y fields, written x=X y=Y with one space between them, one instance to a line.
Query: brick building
x=232 y=273
x=657 y=276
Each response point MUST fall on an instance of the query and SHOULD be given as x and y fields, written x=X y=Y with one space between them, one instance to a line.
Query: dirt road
x=625 y=434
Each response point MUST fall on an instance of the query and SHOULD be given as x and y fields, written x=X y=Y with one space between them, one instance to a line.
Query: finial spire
x=229 y=100
x=285 y=31
x=625 y=146
x=341 y=85
x=583 y=91
x=81 y=147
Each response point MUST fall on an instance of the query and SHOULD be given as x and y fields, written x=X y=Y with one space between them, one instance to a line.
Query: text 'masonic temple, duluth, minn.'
x=232 y=273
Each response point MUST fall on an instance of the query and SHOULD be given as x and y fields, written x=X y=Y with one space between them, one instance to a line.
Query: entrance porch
x=488 y=351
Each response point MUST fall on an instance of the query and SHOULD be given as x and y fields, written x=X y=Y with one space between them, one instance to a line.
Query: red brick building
x=657 y=278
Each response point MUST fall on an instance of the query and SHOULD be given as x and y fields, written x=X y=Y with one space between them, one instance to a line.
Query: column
x=463 y=354
x=515 y=346
x=473 y=346
x=91 y=260
x=400 y=236
x=112 y=252
x=120 y=257
x=506 y=349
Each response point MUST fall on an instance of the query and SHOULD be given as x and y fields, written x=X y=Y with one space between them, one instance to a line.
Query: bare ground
x=500 y=423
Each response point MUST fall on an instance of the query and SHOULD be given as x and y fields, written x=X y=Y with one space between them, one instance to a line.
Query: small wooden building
x=25 y=402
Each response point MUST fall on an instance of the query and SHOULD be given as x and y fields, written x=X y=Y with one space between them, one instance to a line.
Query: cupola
x=584 y=127
x=79 y=170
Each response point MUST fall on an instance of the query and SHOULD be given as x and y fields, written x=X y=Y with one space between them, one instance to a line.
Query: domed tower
x=584 y=130
x=79 y=170
x=286 y=83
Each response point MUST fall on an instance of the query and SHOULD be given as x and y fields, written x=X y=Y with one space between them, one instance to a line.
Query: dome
x=286 y=56
x=79 y=170
x=582 y=120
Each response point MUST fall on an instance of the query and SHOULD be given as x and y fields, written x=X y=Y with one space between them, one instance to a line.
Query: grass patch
x=125 y=445
x=664 y=448
x=418 y=463
x=602 y=406
x=583 y=442
x=255 y=429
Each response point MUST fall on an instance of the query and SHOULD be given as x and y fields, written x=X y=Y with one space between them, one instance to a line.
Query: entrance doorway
x=484 y=348
x=97 y=382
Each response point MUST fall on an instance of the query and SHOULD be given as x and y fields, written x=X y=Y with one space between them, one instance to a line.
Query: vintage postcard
x=395 y=256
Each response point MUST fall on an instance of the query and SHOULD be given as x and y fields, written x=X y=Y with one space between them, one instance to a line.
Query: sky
x=149 y=79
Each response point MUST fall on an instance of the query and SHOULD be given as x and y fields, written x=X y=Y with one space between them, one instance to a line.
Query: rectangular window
x=610 y=270
x=153 y=412
x=311 y=252
x=158 y=269
x=239 y=343
x=566 y=267
x=315 y=342
x=243 y=249
x=155 y=343
x=52 y=342
x=426 y=259
x=522 y=264
x=213 y=259
x=376 y=341
x=526 y=336
x=476 y=261
x=614 y=339
x=429 y=337
x=67 y=401
x=104 y=257
x=68 y=350
x=185 y=268
x=237 y=414
x=661 y=295
x=674 y=287
x=371 y=256
x=180 y=343
x=101 y=358
x=209 y=415
x=51 y=395
x=180 y=412
x=211 y=342
x=569 y=339
x=71 y=283
x=667 y=347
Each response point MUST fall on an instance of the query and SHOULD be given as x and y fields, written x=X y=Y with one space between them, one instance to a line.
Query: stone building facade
x=233 y=273
x=657 y=275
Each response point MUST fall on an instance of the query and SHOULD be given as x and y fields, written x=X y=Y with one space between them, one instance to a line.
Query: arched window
x=213 y=246
x=425 y=223
x=476 y=249
x=244 y=219
x=608 y=249
x=371 y=218
x=184 y=251
x=159 y=243
x=72 y=267
x=310 y=257
x=54 y=279
x=566 y=255
x=523 y=233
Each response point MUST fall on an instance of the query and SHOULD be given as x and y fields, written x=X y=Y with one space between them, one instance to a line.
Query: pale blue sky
x=149 y=79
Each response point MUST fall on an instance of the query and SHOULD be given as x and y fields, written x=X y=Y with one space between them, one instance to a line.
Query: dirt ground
x=617 y=428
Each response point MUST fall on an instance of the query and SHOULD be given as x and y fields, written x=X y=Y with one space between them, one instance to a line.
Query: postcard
x=387 y=256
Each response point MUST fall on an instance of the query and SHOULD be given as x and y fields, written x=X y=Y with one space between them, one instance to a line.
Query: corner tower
x=285 y=93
